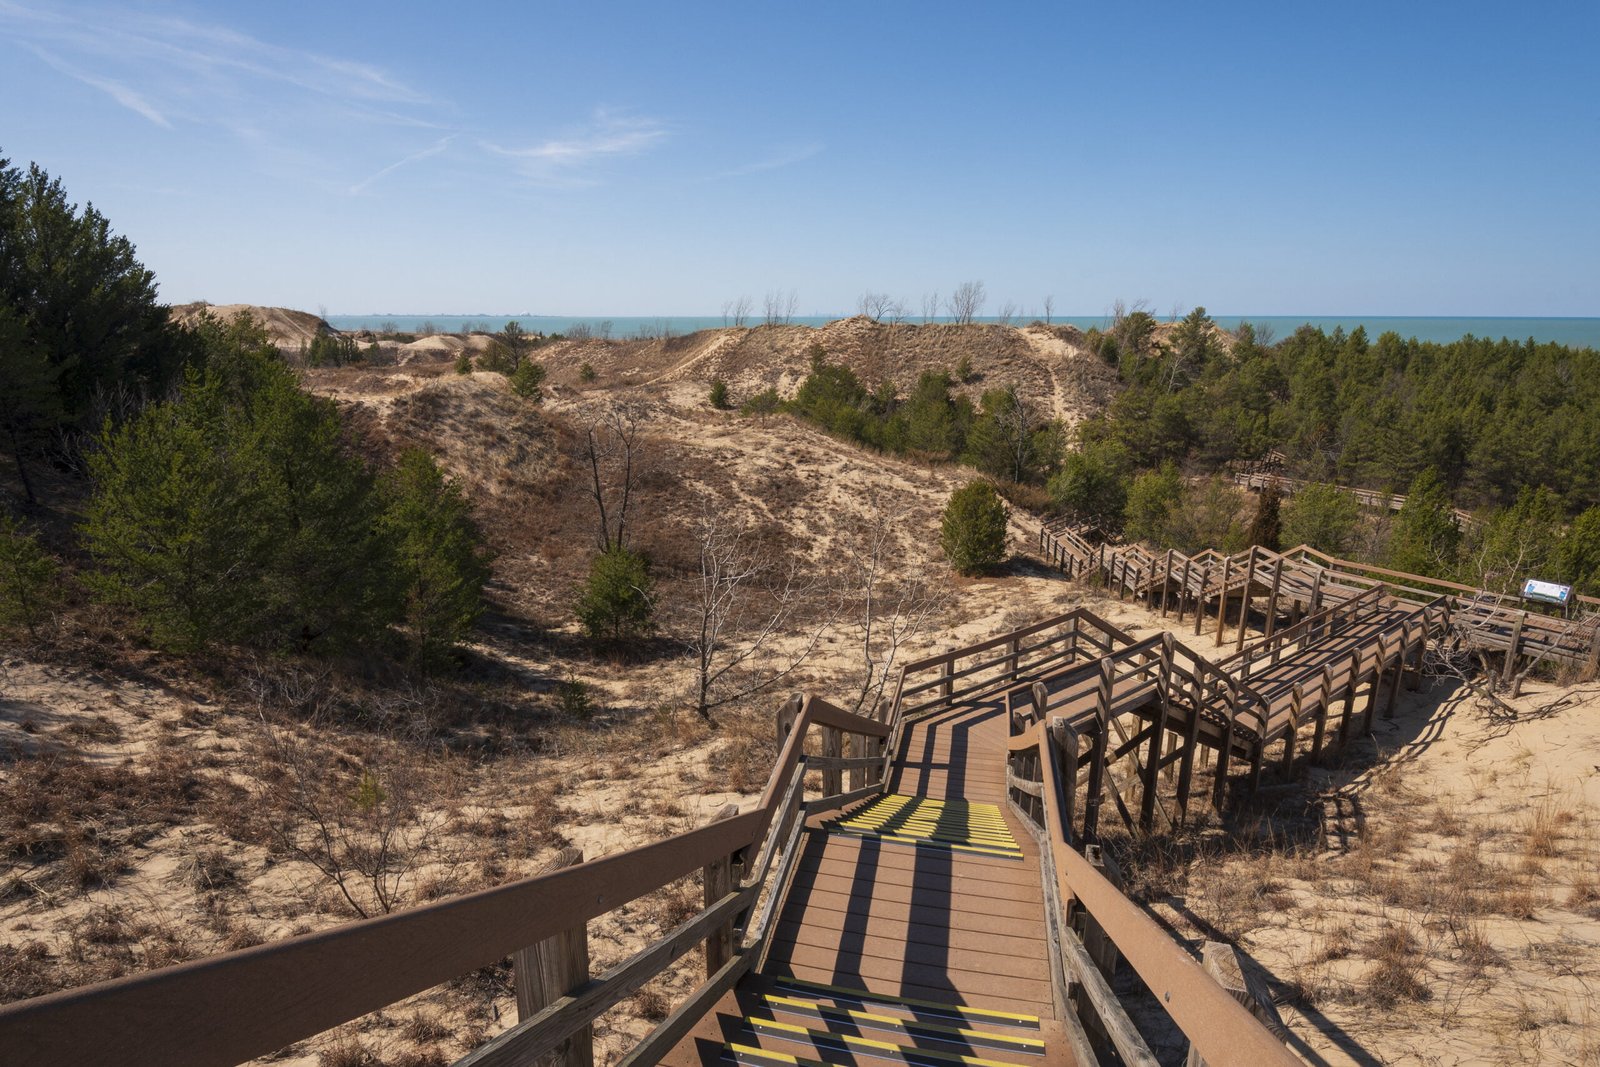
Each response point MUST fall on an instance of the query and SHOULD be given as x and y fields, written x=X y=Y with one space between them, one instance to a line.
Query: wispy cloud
x=782 y=157
x=432 y=150
x=563 y=160
x=116 y=90
x=334 y=122
x=181 y=69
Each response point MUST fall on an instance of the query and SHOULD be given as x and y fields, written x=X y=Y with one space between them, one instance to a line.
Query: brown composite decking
x=899 y=921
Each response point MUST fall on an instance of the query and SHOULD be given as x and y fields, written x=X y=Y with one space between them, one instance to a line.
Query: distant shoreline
x=1577 y=332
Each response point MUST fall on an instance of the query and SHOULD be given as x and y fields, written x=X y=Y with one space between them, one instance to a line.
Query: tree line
x=1507 y=429
x=221 y=503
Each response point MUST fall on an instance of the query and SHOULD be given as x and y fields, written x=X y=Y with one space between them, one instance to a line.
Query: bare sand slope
x=288 y=329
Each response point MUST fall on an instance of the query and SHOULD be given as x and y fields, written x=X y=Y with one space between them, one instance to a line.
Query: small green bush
x=765 y=402
x=528 y=381
x=575 y=699
x=464 y=363
x=973 y=532
x=586 y=372
x=28 y=589
x=617 y=603
x=719 y=394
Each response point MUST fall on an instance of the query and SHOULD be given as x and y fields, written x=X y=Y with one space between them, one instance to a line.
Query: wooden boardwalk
x=914 y=928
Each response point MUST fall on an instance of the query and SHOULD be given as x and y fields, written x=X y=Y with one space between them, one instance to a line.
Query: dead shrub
x=1398 y=972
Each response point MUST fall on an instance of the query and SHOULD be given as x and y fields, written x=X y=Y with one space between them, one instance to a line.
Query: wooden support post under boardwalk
x=1222 y=963
x=1199 y=603
x=1244 y=598
x=1394 y=683
x=1323 y=701
x=1592 y=668
x=1147 y=798
x=1191 y=741
x=1183 y=592
x=1349 y=700
x=1222 y=598
x=1511 y=650
x=548 y=971
x=1166 y=584
x=1291 y=734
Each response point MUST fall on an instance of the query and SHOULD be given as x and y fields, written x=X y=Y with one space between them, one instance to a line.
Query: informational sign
x=1548 y=592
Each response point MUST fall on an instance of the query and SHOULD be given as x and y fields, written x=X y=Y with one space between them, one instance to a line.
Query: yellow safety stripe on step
x=971 y=809
x=881 y=1048
x=919 y=811
x=865 y=996
x=923 y=842
x=976 y=824
x=948 y=826
x=912 y=1027
x=932 y=833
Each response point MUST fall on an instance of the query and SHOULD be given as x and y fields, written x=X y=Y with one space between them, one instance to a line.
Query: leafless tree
x=779 y=307
x=888 y=613
x=611 y=446
x=930 y=306
x=736 y=312
x=605 y=330
x=1049 y=309
x=965 y=303
x=365 y=833
x=1009 y=313
x=740 y=602
x=875 y=306
x=897 y=313
x=1015 y=422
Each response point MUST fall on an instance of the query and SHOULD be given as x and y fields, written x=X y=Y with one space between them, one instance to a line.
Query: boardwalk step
x=960 y=826
x=842 y=1046
x=921 y=1009
x=851 y=1020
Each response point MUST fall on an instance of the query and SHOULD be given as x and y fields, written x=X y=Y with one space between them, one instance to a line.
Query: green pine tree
x=973 y=529
x=438 y=555
x=1425 y=538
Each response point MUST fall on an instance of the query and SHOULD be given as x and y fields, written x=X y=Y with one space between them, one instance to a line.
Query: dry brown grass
x=1399 y=967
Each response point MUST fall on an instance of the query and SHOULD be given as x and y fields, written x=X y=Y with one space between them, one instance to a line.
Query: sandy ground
x=1455 y=920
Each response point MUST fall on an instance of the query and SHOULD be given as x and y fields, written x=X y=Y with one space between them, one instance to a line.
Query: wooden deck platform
x=914 y=928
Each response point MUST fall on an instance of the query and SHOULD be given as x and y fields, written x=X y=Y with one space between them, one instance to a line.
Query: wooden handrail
x=1217 y=1025
x=241 y=1005
x=235 y=1007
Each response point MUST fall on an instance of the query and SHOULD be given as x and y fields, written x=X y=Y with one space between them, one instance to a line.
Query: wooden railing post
x=1222 y=963
x=1014 y=647
x=548 y=971
x=947 y=687
x=1199 y=604
x=832 y=748
x=720 y=876
x=1102 y=744
x=1065 y=738
x=788 y=712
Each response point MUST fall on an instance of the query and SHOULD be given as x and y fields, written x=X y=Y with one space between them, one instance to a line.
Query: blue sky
x=654 y=159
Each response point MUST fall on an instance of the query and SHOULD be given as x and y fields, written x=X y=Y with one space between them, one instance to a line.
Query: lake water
x=1580 y=332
